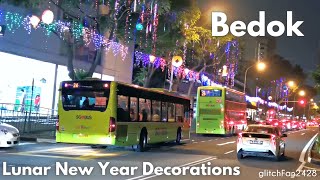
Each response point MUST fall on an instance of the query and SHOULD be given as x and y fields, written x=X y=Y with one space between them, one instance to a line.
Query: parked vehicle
x=9 y=135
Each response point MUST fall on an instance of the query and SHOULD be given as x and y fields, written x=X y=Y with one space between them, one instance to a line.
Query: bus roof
x=156 y=90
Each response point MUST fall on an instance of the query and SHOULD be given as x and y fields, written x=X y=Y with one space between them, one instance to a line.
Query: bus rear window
x=210 y=93
x=85 y=100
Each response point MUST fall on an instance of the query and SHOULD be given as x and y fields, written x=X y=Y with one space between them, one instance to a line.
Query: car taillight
x=239 y=137
x=273 y=140
x=112 y=124
x=57 y=124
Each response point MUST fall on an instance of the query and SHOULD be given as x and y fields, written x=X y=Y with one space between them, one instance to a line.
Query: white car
x=9 y=135
x=261 y=140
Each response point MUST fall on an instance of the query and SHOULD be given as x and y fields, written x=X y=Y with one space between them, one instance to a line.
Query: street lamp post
x=260 y=66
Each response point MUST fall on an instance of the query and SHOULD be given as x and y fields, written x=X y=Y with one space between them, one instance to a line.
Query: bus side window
x=171 y=112
x=122 y=109
x=144 y=109
x=133 y=109
x=179 y=113
x=186 y=113
x=156 y=110
x=164 y=111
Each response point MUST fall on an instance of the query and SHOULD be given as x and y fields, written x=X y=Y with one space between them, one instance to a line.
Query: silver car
x=9 y=135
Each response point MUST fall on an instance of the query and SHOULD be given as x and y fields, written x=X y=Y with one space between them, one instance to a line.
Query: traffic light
x=302 y=102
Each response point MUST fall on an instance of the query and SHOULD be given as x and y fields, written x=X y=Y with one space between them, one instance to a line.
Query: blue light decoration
x=139 y=26
x=255 y=100
x=14 y=21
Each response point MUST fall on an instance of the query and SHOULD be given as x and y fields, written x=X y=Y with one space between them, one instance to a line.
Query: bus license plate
x=255 y=142
x=80 y=135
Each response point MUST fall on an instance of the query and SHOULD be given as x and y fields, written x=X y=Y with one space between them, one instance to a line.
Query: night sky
x=299 y=50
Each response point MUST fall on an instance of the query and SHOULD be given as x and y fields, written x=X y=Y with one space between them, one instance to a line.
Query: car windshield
x=263 y=130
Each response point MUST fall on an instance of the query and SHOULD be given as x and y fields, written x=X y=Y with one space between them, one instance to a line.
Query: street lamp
x=260 y=66
x=176 y=62
x=291 y=84
x=47 y=17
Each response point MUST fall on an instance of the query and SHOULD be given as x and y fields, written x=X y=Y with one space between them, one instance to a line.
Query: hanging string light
x=155 y=27
x=13 y=21
x=26 y=24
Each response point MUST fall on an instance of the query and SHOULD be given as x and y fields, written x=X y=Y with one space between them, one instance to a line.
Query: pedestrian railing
x=28 y=119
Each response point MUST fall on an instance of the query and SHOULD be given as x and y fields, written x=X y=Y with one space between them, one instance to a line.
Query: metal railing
x=26 y=120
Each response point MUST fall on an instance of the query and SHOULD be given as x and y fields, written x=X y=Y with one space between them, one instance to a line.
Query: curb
x=312 y=160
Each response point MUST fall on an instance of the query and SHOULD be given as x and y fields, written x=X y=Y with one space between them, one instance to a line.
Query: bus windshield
x=210 y=93
x=81 y=99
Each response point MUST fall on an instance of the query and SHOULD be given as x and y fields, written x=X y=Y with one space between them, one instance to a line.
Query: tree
x=316 y=77
x=278 y=69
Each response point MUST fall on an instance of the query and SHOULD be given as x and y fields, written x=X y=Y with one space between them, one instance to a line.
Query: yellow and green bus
x=220 y=110
x=103 y=113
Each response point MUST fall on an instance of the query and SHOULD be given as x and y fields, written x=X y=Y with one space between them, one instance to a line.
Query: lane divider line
x=229 y=152
x=222 y=144
x=143 y=177
x=302 y=134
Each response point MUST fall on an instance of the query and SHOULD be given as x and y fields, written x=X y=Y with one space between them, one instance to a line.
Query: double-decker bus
x=220 y=110
x=102 y=113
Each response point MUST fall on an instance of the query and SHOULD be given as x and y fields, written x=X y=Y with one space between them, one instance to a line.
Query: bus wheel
x=178 y=139
x=142 y=142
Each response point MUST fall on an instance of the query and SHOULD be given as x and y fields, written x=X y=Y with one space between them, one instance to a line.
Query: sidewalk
x=45 y=136
x=315 y=152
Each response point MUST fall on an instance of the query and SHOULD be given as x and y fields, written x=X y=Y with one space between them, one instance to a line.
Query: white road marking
x=302 y=134
x=192 y=140
x=210 y=140
x=304 y=151
x=222 y=144
x=25 y=143
x=202 y=141
x=195 y=142
x=228 y=152
x=185 y=140
x=143 y=177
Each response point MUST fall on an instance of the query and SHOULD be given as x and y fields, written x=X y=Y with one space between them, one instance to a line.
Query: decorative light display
x=155 y=27
x=255 y=100
x=15 y=20
x=26 y=24
x=47 y=17
x=177 y=61
x=139 y=26
x=34 y=21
